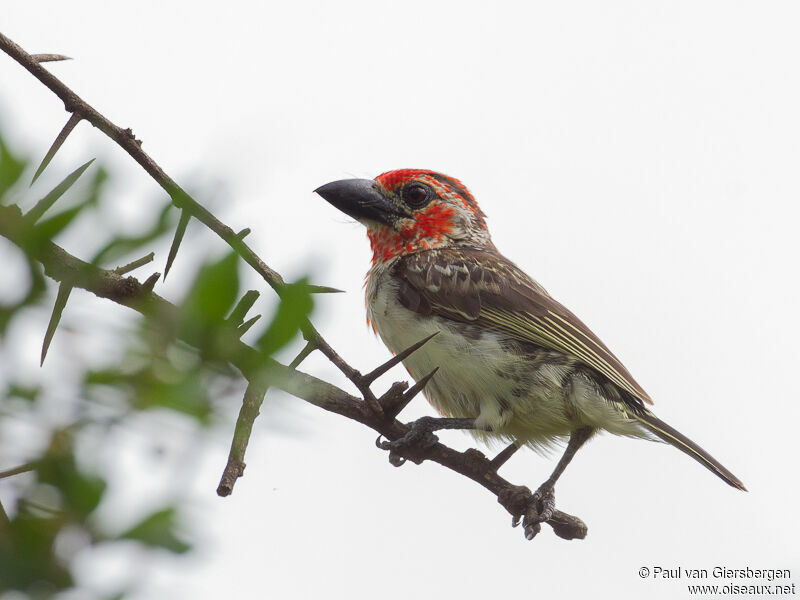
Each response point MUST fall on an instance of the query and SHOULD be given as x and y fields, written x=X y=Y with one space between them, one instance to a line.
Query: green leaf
x=158 y=530
x=296 y=304
x=122 y=245
x=181 y=391
x=27 y=560
x=36 y=290
x=214 y=291
x=50 y=228
x=203 y=311
x=25 y=392
x=11 y=168
x=159 y=384
x=81 y=491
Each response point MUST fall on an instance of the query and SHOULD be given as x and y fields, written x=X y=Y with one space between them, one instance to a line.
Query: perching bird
x=510 y=356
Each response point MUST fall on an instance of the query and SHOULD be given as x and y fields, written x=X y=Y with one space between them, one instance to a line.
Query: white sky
x=639 y=159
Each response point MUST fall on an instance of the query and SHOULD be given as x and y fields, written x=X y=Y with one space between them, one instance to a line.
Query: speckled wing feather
x=490 y=291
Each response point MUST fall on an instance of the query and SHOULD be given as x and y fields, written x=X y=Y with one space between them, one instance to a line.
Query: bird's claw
x=540 y=510
x=418 y=437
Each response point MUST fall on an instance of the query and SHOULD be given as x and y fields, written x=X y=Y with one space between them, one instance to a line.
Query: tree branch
x=253 y=397
x=128 y=291
x=125 y=139
x=256 y=368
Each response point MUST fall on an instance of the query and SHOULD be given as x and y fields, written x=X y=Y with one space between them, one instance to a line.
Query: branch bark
x=255 y=367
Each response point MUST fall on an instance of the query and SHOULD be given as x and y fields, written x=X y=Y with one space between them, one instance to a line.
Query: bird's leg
x=503 y=456
x=421 y=432
x=544 y=497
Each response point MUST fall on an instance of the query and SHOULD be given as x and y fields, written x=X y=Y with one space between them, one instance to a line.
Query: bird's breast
x=479 y=374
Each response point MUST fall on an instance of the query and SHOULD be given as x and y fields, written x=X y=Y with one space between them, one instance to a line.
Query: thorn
x=64 y=290
x=243 y=233
x=150 y=282
x=307 y=349
x=176 y=241
x=244 y=327
x=241 y=309
x=40 y=58
x=41 y=207
x=417 y=387
x=135 y=264
x=74 y=119
x=391 y=411
x=323 y=289
x=377 y=372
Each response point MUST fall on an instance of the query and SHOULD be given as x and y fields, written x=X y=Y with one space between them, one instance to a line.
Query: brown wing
x=488 y=290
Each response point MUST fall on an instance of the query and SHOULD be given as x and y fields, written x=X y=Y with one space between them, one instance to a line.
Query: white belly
x=478 y=377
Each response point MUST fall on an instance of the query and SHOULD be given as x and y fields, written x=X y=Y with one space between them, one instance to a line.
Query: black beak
x=360 y=199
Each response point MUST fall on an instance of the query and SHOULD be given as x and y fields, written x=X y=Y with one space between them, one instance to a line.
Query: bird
x=513 y=364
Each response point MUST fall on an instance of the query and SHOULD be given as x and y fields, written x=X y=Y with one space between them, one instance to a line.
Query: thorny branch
x=378 y=413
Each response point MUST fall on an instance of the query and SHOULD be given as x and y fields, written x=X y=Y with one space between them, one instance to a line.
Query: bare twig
x=132 y=266
x=128 y=291
x=128 y=142
x=302 y=355
x=253 y=397
x=17 y=470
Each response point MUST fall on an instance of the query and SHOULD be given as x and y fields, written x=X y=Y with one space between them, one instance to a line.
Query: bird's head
x=410 y=210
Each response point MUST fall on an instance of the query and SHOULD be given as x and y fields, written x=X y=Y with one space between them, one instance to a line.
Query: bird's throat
x=428 y=230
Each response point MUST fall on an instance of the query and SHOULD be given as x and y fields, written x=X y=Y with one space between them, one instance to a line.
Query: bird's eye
x=417 y=195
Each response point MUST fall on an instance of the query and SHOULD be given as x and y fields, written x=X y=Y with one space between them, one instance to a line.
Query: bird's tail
x=675 y=438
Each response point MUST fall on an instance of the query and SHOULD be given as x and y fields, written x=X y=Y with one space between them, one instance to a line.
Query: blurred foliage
x=11 y=168
x=51 y=500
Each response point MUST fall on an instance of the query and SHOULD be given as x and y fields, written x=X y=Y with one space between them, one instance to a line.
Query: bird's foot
x=544 y=501
x=420 y=435
x=420 y=438
x=534 y=509
x=540 y=510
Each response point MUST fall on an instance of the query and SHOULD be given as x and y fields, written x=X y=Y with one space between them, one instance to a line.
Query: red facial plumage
x=430 y=224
